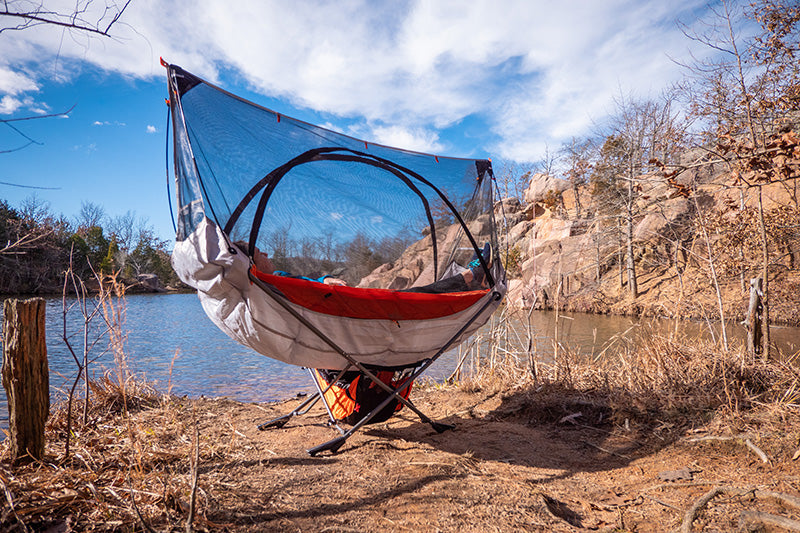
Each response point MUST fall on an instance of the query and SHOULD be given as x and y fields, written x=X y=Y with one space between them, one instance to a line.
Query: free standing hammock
x=319 y=202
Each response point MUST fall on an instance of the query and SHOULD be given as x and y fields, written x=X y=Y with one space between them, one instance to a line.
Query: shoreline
x=627 y=445
x=498 y=469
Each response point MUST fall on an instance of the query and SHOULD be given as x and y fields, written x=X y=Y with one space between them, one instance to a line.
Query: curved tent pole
x=166 y=166
x=263 y=182
x=271 y=180
x=486 y=164
x=262 y=204
x=181 y=81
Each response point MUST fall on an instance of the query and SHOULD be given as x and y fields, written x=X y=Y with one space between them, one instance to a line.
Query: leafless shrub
x=647 y=377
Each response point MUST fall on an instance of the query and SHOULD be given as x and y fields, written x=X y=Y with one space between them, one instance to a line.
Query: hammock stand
x=230 y=157
x=393 y=393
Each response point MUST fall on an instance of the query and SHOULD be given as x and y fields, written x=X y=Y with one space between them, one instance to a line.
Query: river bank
x=689 y=295
x=631 y=446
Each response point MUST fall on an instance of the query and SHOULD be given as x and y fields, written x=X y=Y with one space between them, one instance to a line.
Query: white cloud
x=108 y=123
x=13 y=86
x=415 y=139
x=14 y=82
x=533 y=72
x=9 y=104
x=151 y=129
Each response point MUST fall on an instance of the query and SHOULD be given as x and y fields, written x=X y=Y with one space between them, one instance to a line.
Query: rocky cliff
x=563 y=248
x=558 y=258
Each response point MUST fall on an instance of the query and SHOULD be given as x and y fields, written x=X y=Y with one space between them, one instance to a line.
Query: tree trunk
x=764 y=274
x=714 y=279
x=597 y=260
x=620 y=255
x=742 y=267
x=576 y=191
x=633 y=287
x=26 y=377
x=753 y=322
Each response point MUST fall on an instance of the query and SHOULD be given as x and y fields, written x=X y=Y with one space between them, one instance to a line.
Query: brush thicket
x=644 y=376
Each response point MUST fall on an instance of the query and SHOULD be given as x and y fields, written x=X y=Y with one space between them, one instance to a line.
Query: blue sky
x=500 y=78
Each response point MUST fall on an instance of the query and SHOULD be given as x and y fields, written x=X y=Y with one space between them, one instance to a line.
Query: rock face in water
x=571 y=254
x=148 y=283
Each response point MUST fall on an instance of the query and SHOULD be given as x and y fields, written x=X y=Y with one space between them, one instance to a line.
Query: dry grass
x=120 y=466
x=127 y=464
x=130 y=468
x=649 y=378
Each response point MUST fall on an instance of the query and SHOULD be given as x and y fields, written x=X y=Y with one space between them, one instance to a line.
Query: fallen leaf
x=676 y=475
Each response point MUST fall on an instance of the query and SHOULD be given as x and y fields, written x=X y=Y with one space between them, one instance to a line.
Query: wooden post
x=26 y=377
x=753 y=321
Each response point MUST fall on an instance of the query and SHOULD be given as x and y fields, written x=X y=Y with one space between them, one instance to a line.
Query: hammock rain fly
x=318 y=202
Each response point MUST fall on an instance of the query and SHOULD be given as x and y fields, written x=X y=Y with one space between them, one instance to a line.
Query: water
x=172 y=342
x=591 y=335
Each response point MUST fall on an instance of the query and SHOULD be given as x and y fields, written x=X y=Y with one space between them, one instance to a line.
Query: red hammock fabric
x=355 y=302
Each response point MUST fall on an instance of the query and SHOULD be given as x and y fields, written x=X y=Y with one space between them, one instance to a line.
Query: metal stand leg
x=337 y=443
x=334 y=444
x=306 y=406
x=301 y=409
x=331 y=420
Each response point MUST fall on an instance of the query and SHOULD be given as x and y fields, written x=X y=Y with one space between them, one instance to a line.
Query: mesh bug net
x=321 y=203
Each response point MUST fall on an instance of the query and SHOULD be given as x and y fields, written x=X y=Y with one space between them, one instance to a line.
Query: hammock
x=317 y=202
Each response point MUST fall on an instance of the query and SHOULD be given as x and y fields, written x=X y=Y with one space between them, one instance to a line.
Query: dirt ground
x=509 y=465
x=496 y=471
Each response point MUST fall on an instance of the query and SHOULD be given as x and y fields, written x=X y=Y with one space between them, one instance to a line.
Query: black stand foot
x=332 y=446
x=441 y=428
x=276 y=422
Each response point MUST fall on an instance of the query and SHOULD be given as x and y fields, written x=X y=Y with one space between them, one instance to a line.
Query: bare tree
x=90 y=215
x=89 y=309
x=745 y=95
x=513 y=178
x=576 y=156
x=639 y=133
x=548 y=162
x=125 y=229
x=85 y=17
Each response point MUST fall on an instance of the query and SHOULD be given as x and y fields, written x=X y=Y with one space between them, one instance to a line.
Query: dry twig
x=767 y=519
x=195 y=474
x=746 y=516
x=691 y=514
x=757 y=451
x=136 y=508
x=10 y=499
x=786 y=499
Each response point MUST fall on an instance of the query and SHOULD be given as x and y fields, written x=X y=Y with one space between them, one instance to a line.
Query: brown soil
x=506 y=467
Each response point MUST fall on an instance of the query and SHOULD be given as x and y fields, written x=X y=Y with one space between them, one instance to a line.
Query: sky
x=505 y=79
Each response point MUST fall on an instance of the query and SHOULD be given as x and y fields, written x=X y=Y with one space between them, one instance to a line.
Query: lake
x=172 y=342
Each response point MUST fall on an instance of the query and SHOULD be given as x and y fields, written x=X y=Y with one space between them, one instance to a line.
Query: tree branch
x=19 y=119
x=32 y=18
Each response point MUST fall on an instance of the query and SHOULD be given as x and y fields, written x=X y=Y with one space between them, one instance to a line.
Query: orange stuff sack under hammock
x=354 y=396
